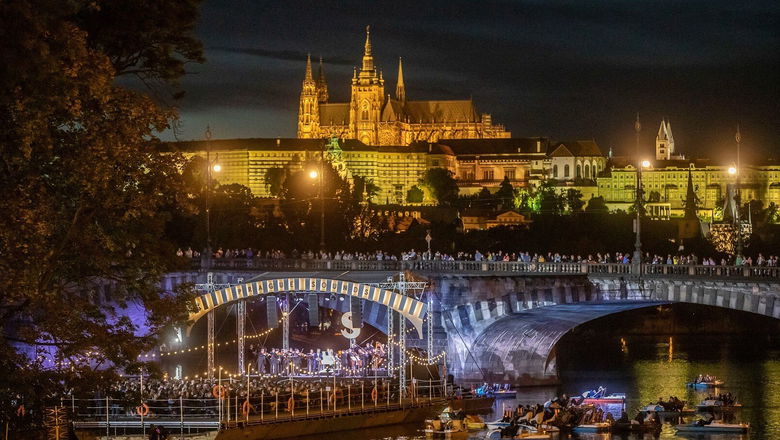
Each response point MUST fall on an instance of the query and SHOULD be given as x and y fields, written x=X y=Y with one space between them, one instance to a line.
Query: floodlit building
x=375 y=118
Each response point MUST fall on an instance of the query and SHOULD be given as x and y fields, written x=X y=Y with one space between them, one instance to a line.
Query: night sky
x=562 y=69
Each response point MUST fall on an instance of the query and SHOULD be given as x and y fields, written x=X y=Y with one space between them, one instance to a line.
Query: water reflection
x=646 y=368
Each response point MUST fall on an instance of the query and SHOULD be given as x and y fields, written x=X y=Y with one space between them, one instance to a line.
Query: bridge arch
x=411 y=309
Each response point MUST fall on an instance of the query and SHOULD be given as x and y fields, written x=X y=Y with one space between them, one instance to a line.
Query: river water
x=646 y=368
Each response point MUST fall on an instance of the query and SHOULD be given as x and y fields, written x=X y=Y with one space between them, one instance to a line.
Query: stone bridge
x=500 y=321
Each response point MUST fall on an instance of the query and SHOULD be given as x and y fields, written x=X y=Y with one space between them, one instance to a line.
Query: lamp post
x=738 y=200
x=210 y=167
x=638 y=225
x=314 y=174
x=428 y=239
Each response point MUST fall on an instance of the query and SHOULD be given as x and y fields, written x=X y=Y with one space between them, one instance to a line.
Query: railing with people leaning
x=232 y=407
x=503 y=267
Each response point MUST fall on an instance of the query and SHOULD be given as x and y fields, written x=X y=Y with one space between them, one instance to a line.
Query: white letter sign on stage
x=348 y=331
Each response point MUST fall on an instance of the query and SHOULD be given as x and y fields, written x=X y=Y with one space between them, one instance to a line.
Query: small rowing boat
x=714 y=427
x=593 y=427
x=660 y=411
x=611 y=399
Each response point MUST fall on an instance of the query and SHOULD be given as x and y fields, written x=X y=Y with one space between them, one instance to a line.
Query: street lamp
x=314 y=174
x=638 y=222
x=211 y=167
x=737 y=198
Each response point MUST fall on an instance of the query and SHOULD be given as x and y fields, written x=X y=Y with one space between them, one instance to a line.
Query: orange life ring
x=374 y=394
x=21 y=411
x=290 y=404
x=142 y=410
x=246 y=407
x=218 y=391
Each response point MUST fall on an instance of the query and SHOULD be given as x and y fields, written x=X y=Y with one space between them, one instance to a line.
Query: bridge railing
x=512 y=267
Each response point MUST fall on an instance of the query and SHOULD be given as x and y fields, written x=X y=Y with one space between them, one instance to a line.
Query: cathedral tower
x=322 y=86
x=664 y=141
x=400 y=90
x=368 y=90
x=309 y=111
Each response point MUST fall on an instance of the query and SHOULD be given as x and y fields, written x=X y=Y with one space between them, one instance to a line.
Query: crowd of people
x=723 y=399
x=673 y=404
x=563 y=412
x=200 y=396
x=370 y=359
x=522 y=256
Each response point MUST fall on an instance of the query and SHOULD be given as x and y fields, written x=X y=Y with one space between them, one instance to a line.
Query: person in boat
x=640 y=418
x=623 y=417
x=705 y=420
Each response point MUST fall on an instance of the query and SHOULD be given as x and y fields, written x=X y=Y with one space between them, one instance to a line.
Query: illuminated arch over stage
x=408 y=307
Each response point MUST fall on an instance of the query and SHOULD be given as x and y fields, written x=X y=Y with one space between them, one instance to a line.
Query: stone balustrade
x=493 y=267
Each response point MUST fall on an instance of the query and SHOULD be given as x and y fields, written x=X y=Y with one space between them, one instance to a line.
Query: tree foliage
x=440 y=184
x=415 y=195
x=87 y=195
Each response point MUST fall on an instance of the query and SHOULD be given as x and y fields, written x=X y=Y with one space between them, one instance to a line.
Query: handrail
x=511 y=267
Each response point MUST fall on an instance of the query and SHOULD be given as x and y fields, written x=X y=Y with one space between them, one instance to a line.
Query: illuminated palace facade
x=376 y=118
x=394 y=141
x=478 y=163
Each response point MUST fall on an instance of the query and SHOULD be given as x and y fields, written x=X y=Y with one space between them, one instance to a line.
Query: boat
x=474 y=422
x=498 y=424
x=611 y=399
x=495 y=434
x=505 y=394
x=717 y=405
x=661 y=412
x=593 y=427
x=715 y=427
x=437 y=427
x=707 y=384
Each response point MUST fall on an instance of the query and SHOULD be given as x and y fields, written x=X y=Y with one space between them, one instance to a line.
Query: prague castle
x=392 y=142
x=376 y=118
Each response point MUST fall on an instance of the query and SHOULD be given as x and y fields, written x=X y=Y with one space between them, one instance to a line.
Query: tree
x=550 y=200
x=596 y=205
x=150 y=39
x=505 y=193
x=88 y=196
x=414 y=195
x=574 y=200
x=440 y=184
x=274 y=180
x=364 y=185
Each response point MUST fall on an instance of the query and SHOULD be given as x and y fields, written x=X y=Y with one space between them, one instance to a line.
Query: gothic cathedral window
x=364 y=111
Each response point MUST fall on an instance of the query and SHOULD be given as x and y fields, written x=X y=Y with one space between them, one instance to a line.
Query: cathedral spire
x=368 y=59
x=322 y=85
x=308 y=77
x=400 y=91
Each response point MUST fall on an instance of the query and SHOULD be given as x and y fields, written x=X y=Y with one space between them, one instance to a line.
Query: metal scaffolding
x=390 y=340
x=210 y=287
x=286 y=322
x=240 y=330
x=411 y=288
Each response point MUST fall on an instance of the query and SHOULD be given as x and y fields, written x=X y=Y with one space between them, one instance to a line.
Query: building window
x=364 y=113
x=587 y=171
x=579 y=171
x=487 y=174
x=509 y=173
x=398 y=193
x=470 y=175
x=555 y=171
x=435 y=163
x=566 y=170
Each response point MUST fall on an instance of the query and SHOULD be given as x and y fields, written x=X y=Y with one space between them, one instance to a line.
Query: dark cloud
x=289 y=55
x=560 y=68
